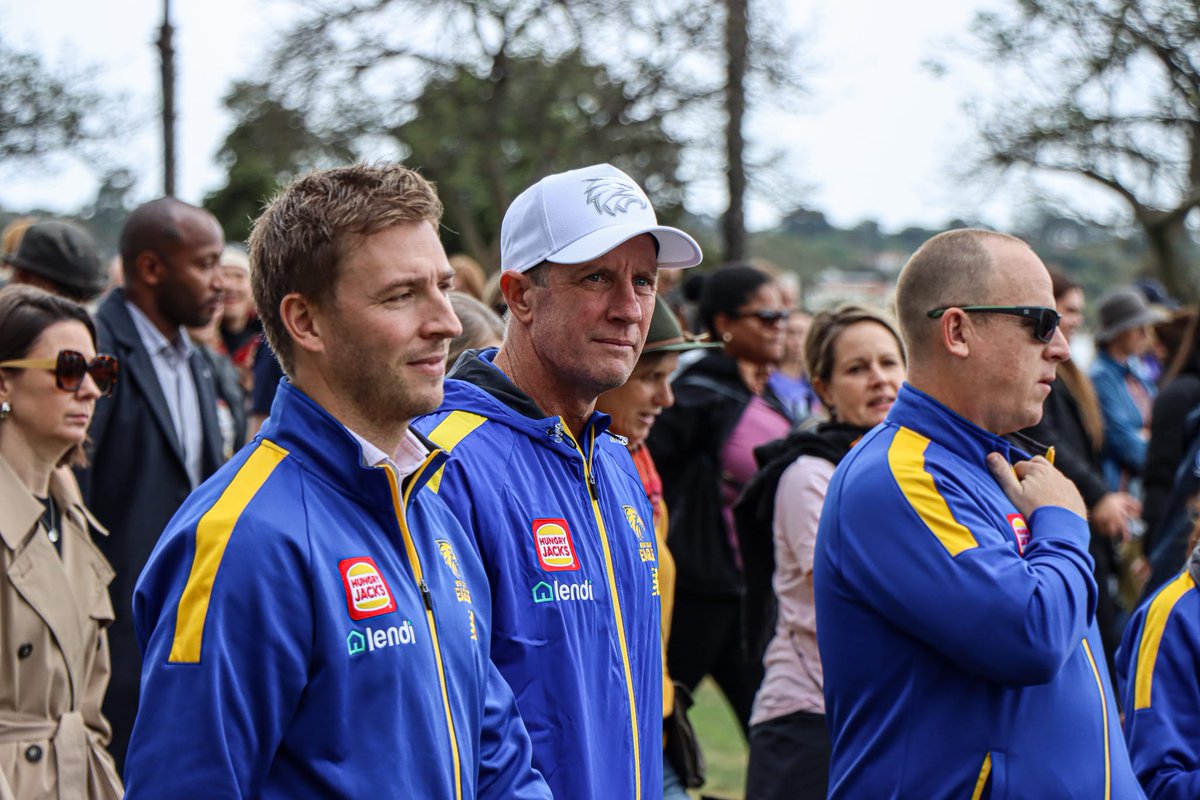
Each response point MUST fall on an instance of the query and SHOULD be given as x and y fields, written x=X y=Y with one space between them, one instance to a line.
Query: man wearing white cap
x=552 y=499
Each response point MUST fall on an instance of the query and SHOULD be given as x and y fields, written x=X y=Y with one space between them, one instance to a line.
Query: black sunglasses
x=765 y=316
x=70 y=367
x=1045 y=320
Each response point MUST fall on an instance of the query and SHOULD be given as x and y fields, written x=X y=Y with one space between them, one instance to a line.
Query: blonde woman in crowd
x=855 y=360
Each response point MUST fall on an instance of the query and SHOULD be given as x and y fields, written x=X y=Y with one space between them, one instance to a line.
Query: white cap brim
x=676 y=249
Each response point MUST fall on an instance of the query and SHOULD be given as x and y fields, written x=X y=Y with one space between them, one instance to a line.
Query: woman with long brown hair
x=54 y=602
x=1178 y=398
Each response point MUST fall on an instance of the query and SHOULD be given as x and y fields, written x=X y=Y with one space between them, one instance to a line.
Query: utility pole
x=167 y=56
x=737 y=43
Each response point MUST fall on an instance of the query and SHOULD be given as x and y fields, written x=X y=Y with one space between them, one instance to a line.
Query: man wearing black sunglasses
x=158 y=436
x=954 y=590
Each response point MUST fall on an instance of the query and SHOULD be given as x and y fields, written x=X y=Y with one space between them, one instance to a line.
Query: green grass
x=721 y=739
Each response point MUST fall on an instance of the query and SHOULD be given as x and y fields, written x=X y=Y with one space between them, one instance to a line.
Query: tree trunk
x=1164 y=238
x=733 y=225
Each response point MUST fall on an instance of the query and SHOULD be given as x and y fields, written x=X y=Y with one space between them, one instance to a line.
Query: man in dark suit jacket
x=157 y=437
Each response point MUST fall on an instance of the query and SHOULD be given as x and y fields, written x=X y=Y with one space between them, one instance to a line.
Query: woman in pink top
x=703 y=446
x=856 y=364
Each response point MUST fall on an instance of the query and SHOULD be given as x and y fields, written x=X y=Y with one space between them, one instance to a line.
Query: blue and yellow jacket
x=1158 y=665
x=960 y=653
x=311 y=627
x=565 y=531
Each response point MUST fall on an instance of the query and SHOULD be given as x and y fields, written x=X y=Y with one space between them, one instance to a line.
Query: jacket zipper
x=399 y=505
x=1087 y=648
x=616 y=602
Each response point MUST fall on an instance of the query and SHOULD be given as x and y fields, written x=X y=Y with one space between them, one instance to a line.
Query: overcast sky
x=877 y=137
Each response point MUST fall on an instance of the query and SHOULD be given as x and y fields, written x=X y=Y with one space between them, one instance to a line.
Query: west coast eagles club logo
x=613 y=196
x=645 y=548
x=446 y=551
x=447 y=554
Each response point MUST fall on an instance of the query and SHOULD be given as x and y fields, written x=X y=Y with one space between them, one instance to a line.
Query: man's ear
x=302 y=318
x=518 y=290
x=149 y=268
x=956 y=332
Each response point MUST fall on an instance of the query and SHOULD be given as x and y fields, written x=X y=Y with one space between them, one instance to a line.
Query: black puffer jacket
x=754 y=514
x=686 y=444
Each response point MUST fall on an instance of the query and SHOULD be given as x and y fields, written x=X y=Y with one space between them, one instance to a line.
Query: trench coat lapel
x=38 y=574
x=88 y=571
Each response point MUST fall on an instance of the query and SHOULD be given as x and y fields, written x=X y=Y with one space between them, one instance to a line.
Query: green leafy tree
x=482 y=149
x=270 y=143
x=45 y=110
x=106 y=215
x=546 y=85
x=1109 y=91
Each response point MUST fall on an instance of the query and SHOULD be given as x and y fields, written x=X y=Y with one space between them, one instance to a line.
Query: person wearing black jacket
x=703 y=447
x=1178 y=396
x=1073 y=425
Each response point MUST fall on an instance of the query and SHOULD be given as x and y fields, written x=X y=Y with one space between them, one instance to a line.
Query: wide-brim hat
x=1121 y=310
x=577 y=216
x=666 y=335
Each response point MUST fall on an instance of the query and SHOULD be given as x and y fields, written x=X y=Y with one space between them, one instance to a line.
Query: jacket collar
x=478 y=385
x=919 y=412
x=19 y=509
x=311 y=434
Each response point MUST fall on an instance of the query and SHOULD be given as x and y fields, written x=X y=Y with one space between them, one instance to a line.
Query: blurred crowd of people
x=740 y=420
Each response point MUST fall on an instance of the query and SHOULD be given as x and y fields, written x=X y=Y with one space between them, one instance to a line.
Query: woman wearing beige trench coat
x=54 y=603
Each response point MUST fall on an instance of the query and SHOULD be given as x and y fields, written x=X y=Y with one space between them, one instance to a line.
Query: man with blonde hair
x=954 y=591
x=315 y=623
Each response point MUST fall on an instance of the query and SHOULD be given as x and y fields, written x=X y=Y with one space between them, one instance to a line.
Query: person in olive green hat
x=634 y=406
x=60 y=258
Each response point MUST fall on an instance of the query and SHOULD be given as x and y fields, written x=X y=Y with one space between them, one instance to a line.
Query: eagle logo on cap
x=613 y=196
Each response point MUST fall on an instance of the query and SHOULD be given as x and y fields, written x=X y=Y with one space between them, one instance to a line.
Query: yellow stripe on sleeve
x=448 y=433
x=1152 y=633
x=212 y=536
x=906 y=457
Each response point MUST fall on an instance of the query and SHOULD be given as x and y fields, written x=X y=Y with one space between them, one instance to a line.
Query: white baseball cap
x=576 y=216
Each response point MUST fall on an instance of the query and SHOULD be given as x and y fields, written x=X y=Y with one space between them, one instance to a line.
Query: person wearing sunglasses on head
x=704 y=449
x=954 y=591
x=54 y=602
